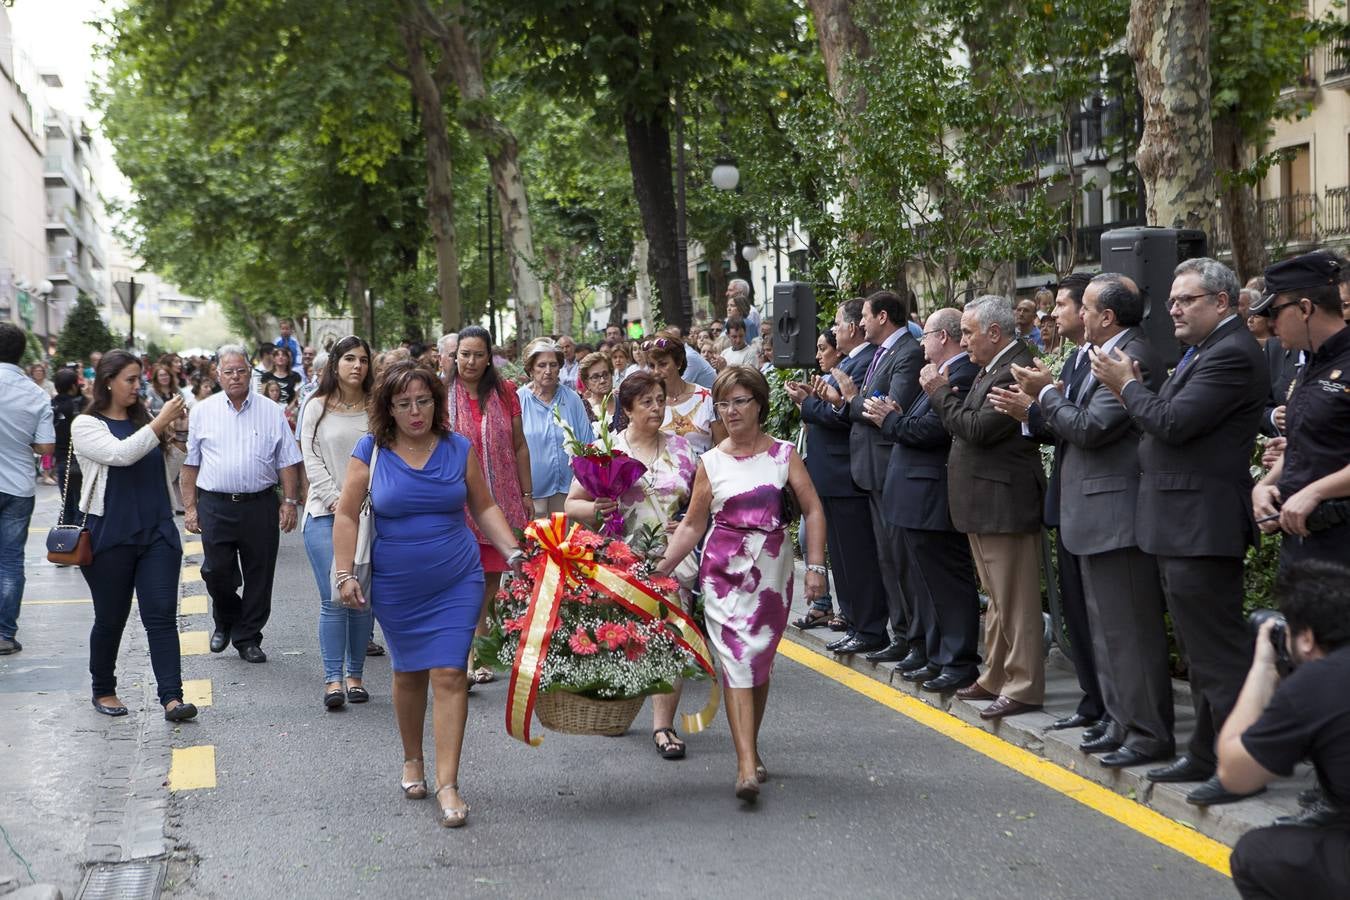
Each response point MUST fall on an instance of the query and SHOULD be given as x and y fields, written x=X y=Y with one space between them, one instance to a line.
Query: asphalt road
x=862 y=801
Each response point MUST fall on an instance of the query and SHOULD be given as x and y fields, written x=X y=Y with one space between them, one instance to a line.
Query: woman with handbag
x=426 y=578
x=334 y=420
x=132 y=532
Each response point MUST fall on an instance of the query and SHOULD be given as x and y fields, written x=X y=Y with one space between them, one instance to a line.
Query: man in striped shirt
x=239 y=447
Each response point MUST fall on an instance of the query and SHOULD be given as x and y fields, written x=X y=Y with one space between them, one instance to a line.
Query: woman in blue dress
x=426 y=586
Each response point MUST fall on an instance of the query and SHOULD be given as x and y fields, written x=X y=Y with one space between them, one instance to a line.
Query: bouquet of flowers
x=601 y=469
x=587 y=617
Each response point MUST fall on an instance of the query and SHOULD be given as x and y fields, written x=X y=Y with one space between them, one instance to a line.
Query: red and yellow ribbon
x=572 y=563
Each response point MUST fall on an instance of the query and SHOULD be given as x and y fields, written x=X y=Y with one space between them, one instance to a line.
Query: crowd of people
x=921 y=473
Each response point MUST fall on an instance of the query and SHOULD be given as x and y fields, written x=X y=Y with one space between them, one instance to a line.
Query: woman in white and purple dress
x=747 y=568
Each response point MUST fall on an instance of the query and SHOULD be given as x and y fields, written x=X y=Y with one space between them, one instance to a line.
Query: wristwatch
x=292 y=502
x=819 y=570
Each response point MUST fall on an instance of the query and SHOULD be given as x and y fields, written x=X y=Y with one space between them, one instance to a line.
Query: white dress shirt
x=239 y=451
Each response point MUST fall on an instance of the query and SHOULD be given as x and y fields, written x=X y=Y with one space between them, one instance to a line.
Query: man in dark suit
x=1194 y=512
x=1023 y=407
x=893 y=373
x=1099 y=478
x=853 y=564
x=996 y=488
x=914 y=502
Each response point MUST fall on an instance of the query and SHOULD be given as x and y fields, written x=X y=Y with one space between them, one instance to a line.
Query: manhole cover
x=123 y=881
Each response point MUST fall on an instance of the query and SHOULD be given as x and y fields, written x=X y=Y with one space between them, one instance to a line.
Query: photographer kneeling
x=1279 y=721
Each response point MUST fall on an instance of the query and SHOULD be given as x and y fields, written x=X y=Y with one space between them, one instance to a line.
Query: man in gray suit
x=996 y=489
x=1099 y=481
x=893 y=373
x=1194 y=512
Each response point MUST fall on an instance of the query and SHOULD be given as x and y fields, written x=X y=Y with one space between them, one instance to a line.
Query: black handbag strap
x=65 y=488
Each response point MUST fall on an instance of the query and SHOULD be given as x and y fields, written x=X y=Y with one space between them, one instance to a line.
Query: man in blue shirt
x=290 y=343
x=25 y=428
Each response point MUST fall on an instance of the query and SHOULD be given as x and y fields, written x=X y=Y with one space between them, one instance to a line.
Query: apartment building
x=23 y=241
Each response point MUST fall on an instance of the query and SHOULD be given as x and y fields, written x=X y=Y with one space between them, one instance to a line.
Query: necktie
x=1081 y=372
x=1185 y=359
x=867 y=379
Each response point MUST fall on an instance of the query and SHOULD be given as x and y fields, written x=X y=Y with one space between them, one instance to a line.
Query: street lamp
x=725 y=175
x=750 y=252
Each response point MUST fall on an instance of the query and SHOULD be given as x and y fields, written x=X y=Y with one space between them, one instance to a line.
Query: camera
x=1278 y=636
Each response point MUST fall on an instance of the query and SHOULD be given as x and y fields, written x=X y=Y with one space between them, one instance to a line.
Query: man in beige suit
x=996 y=488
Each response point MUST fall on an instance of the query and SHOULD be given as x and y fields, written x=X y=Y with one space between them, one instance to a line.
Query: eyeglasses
x=737 y=403
x=233 y=373
x=656 y=344
x=599 y=376
x=403 y=406
x=1187 y=299
x=1274 y=311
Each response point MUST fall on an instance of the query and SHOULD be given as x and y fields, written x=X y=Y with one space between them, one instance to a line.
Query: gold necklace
x=426 y=449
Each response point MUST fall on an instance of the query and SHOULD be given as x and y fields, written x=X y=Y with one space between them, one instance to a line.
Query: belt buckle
x=236 y=498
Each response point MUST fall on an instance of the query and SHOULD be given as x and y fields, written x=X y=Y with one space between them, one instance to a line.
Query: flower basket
x=587 y=631
x=569 y=713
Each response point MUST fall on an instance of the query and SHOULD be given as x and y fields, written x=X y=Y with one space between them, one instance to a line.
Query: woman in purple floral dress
x=747 y=568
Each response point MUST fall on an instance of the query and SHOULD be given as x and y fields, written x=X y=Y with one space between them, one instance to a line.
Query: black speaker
x=1148 y=255
x=794 y=325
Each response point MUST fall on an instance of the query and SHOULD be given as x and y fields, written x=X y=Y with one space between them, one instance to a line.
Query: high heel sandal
x=414 y=790
x=761 y=773
x=453 y=816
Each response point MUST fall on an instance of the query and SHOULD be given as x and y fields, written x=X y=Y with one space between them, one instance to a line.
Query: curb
x=1031 y=731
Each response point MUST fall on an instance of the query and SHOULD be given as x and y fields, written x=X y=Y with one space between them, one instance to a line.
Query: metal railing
x=1334 y=60
x=1301 y=218
x=1335 y=218
x=56 y=164
x=1289 y=220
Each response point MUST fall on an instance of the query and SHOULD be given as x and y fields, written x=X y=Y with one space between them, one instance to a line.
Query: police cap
x=1311 y=270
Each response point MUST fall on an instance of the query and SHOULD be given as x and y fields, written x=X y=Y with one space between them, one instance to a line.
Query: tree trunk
x=440 y=187
x=1169 y=43
x=649 y=158
x=358 y=280
x=466 y=62
x=618 y=303
x=841 y=40
x=1246 y=228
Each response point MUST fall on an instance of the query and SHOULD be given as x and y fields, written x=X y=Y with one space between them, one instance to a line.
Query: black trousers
x=1204 y=596
x=853 y=566
x=239 y=546
x=1293 y=861
x=1073 y=604
x=1332 y=544
x=152 y=571
x=871 y=623
x=946 y=600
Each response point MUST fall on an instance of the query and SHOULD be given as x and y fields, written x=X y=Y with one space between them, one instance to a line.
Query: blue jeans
x=15 y=514
x=343 y=632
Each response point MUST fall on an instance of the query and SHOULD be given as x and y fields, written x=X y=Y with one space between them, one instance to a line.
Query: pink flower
x=512 y=626
x=581 y=643
x=612 y=634
x=620 y=553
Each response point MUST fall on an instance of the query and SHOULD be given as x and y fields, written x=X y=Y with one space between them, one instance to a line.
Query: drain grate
x=124 y=881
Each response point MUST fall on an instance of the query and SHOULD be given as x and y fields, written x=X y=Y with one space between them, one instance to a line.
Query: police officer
x=1278 y=722
x=1303 y=303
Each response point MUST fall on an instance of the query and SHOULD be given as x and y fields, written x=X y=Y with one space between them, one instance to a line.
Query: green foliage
x=85 y=333
x=785 y=419
x=32 y=350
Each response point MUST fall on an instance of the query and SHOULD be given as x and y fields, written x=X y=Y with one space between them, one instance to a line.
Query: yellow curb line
x=1129 y=813
x=192 y=548
x=192 y=605
x=192 y=573
x=56 y=602
x=197 y=691
x=193 y=768
x=194 y=643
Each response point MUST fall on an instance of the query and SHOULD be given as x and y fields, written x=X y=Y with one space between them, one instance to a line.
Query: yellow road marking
x=192 y=573
x=86 y=600
x=1110 y=804
x=191 y=548
x=192 y=605
x=197 y=691
x=194 y=643
x=193 y=768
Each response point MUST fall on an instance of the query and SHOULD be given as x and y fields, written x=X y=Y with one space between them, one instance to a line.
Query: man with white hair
x=446 y=348
x=996 y=491
x=741 y=306
x=568 y=374
x=239 y=447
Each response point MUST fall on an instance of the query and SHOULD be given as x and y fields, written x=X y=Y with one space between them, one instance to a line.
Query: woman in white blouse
x=334 y=419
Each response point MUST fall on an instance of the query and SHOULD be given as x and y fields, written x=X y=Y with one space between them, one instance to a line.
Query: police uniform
x=1317 y=415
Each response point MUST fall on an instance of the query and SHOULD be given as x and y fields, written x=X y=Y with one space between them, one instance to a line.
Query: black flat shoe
x=913 y=661
x=220 y=639
x=180 y=713
x=1184 y=769
x=374 y=649
x=920 y=675
x=1213 y=793
x=358 y=695
x=334 y=699
x=838 y=642
x=109 y=710
x=1077 y=720
x=1103 y=744
x=252 y=653
x=892 y=652
x=1128 y=756
x=946 y=683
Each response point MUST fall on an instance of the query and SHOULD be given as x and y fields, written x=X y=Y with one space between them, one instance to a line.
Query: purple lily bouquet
x=601 y=469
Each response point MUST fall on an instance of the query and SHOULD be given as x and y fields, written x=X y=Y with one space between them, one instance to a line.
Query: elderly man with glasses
x=239 y=447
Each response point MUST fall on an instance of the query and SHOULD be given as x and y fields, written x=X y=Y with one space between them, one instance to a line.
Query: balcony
x=1334 y=64
x=1304 y=88
x=1292 y=223
x=1335 y=218
x=63 y=270
x=57 y=171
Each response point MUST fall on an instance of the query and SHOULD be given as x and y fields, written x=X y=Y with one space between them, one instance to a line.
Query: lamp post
x=44 y=289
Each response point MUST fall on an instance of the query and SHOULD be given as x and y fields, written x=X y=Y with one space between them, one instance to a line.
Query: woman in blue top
x=125 y=499
x=426 y=586
x=550 y=466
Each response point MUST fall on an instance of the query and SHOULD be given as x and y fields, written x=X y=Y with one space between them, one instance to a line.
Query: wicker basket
x=573 y=714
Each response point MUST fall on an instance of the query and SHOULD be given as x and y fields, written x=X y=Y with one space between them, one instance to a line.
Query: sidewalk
x=1031 y=731
x=78 y=789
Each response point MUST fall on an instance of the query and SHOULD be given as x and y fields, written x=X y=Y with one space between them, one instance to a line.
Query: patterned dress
x=747 y=567
x=660 y=494
x=692 y=419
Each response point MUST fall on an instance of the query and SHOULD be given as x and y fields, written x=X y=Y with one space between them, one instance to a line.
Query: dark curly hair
x=635 y=385
x=1315 y=594
x=393 y=380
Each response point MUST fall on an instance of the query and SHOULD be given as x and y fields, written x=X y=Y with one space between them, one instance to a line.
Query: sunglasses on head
x=656 y=344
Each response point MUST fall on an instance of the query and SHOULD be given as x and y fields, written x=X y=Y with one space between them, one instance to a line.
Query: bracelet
x=527 y=494
x=819 y=570
x=344 y=578
x=292 y=502
x=514 y=555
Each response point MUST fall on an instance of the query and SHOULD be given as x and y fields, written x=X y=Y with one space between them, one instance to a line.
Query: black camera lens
x=1259 y=617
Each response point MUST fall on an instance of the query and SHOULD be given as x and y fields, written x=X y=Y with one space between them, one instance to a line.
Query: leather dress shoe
x=1213 y=793
x=857 y=645
x=1097 y=730
x=916 y=659
x=1184 y=769
x=220 y=639
x=1128 y=756
x=1077 y=720
x=252 y=653
x=839 y=642
x=921 y=674
x=1102 y=744
x=895 y=651
x=1007 y=706
x=949 y=682
x=975 y=691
